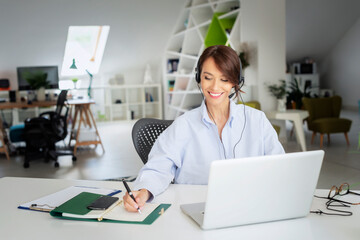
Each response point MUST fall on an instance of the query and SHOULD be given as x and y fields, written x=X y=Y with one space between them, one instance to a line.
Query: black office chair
x=43 y=132
x=144 y=134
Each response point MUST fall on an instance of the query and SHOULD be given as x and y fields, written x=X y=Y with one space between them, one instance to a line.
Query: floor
x=341 y=163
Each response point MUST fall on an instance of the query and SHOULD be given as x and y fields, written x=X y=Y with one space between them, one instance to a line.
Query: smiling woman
x=218 y=129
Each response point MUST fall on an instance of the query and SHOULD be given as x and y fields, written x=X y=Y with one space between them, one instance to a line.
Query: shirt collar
x=205 y=116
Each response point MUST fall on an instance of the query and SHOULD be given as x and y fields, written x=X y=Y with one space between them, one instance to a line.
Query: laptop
x=258 y=189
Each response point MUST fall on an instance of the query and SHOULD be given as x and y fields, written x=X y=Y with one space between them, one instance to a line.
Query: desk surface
x=25 y=224
x=11 y=105
x=288 y=114
x=80 y=101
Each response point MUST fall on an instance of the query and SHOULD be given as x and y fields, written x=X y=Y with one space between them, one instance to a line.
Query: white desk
x=24 y=224
x=297 y=116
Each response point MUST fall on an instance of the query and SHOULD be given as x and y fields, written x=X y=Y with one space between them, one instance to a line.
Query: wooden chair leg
x=347 y=139
x=328 y=138
x=321 y=140
x=7 y=153
x=313 y=137
x=4 y=148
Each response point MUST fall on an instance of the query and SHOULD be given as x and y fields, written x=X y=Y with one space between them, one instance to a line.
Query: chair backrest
x=144 y=134
x=323 y=107
x=53 y=127
x=61 y=101
x=58 y=121
x=253 y=104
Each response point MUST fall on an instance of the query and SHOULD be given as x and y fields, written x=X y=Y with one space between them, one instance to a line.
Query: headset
x=240 y=83
x=241 y=80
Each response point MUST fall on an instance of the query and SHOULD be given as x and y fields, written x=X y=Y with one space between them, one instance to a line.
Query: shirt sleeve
x=271 y=142
x=164 y=159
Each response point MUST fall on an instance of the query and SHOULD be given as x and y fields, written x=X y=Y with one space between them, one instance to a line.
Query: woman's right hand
x=141 y=197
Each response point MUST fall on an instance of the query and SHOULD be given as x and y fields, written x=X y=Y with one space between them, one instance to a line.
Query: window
x=86 y=45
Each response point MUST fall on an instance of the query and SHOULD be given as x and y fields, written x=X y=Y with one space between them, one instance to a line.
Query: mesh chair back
x=144 y=134
x=61 y=101
x=58 y=121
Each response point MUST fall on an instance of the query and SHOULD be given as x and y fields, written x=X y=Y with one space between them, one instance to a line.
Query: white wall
x=340 y=69
x=263 y=28
x=33 y=32
x=313 y=27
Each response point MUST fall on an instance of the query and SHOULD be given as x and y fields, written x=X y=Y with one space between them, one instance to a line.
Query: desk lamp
x=73 y=66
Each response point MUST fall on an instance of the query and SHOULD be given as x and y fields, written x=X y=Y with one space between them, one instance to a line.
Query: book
x=76 y=209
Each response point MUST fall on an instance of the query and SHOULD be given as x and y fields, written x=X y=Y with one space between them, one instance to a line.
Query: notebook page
x=119 y=213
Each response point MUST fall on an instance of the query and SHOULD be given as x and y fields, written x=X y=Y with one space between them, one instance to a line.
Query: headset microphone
x=231 y=95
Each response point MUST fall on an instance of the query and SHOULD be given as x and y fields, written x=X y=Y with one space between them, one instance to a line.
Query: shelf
x=151 y=103
x=208 y=4
x=193 y=57
x=232 y=14
x=208 y=23
x=185 y=92
x=179 y=75
x=133 y=86
x=135 y=103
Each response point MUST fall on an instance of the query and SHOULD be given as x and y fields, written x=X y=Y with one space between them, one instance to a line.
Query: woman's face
x=215 y=86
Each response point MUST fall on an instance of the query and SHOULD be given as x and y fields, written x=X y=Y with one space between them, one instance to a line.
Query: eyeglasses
x=341 y=191
x=334 y=203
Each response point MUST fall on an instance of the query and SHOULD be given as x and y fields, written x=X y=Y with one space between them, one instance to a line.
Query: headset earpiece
x=197 y=73
x=197 y=78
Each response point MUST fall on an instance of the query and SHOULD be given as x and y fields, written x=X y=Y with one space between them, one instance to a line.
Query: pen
x=130 y=193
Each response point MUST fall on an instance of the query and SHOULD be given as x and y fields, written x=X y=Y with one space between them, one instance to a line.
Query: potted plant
x=279 y=92
x=244 y=60
x=75 y=80
x=244 y=56
x=37 y=81
x=295 y=95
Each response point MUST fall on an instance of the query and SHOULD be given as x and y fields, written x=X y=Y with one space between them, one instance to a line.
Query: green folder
x=78 y=205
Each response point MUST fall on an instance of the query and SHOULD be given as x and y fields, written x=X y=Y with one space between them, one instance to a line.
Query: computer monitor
x=52 y=76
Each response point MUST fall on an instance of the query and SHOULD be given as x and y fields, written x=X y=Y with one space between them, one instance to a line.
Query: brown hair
x=226 y=59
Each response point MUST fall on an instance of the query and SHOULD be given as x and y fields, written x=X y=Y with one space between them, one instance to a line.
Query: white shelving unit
x=128 y=102
x=125 y=102
x=312 y=80
x=193 y=31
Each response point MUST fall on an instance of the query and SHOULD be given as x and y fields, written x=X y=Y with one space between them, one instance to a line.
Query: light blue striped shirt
x=185 y=150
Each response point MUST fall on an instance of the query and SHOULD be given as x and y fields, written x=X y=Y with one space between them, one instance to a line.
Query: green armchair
x=324 y=117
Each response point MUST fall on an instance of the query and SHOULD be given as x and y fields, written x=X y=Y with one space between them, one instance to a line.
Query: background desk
x=297 y=116
x=24 y=224
x=83 y=117
x=18 y=105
